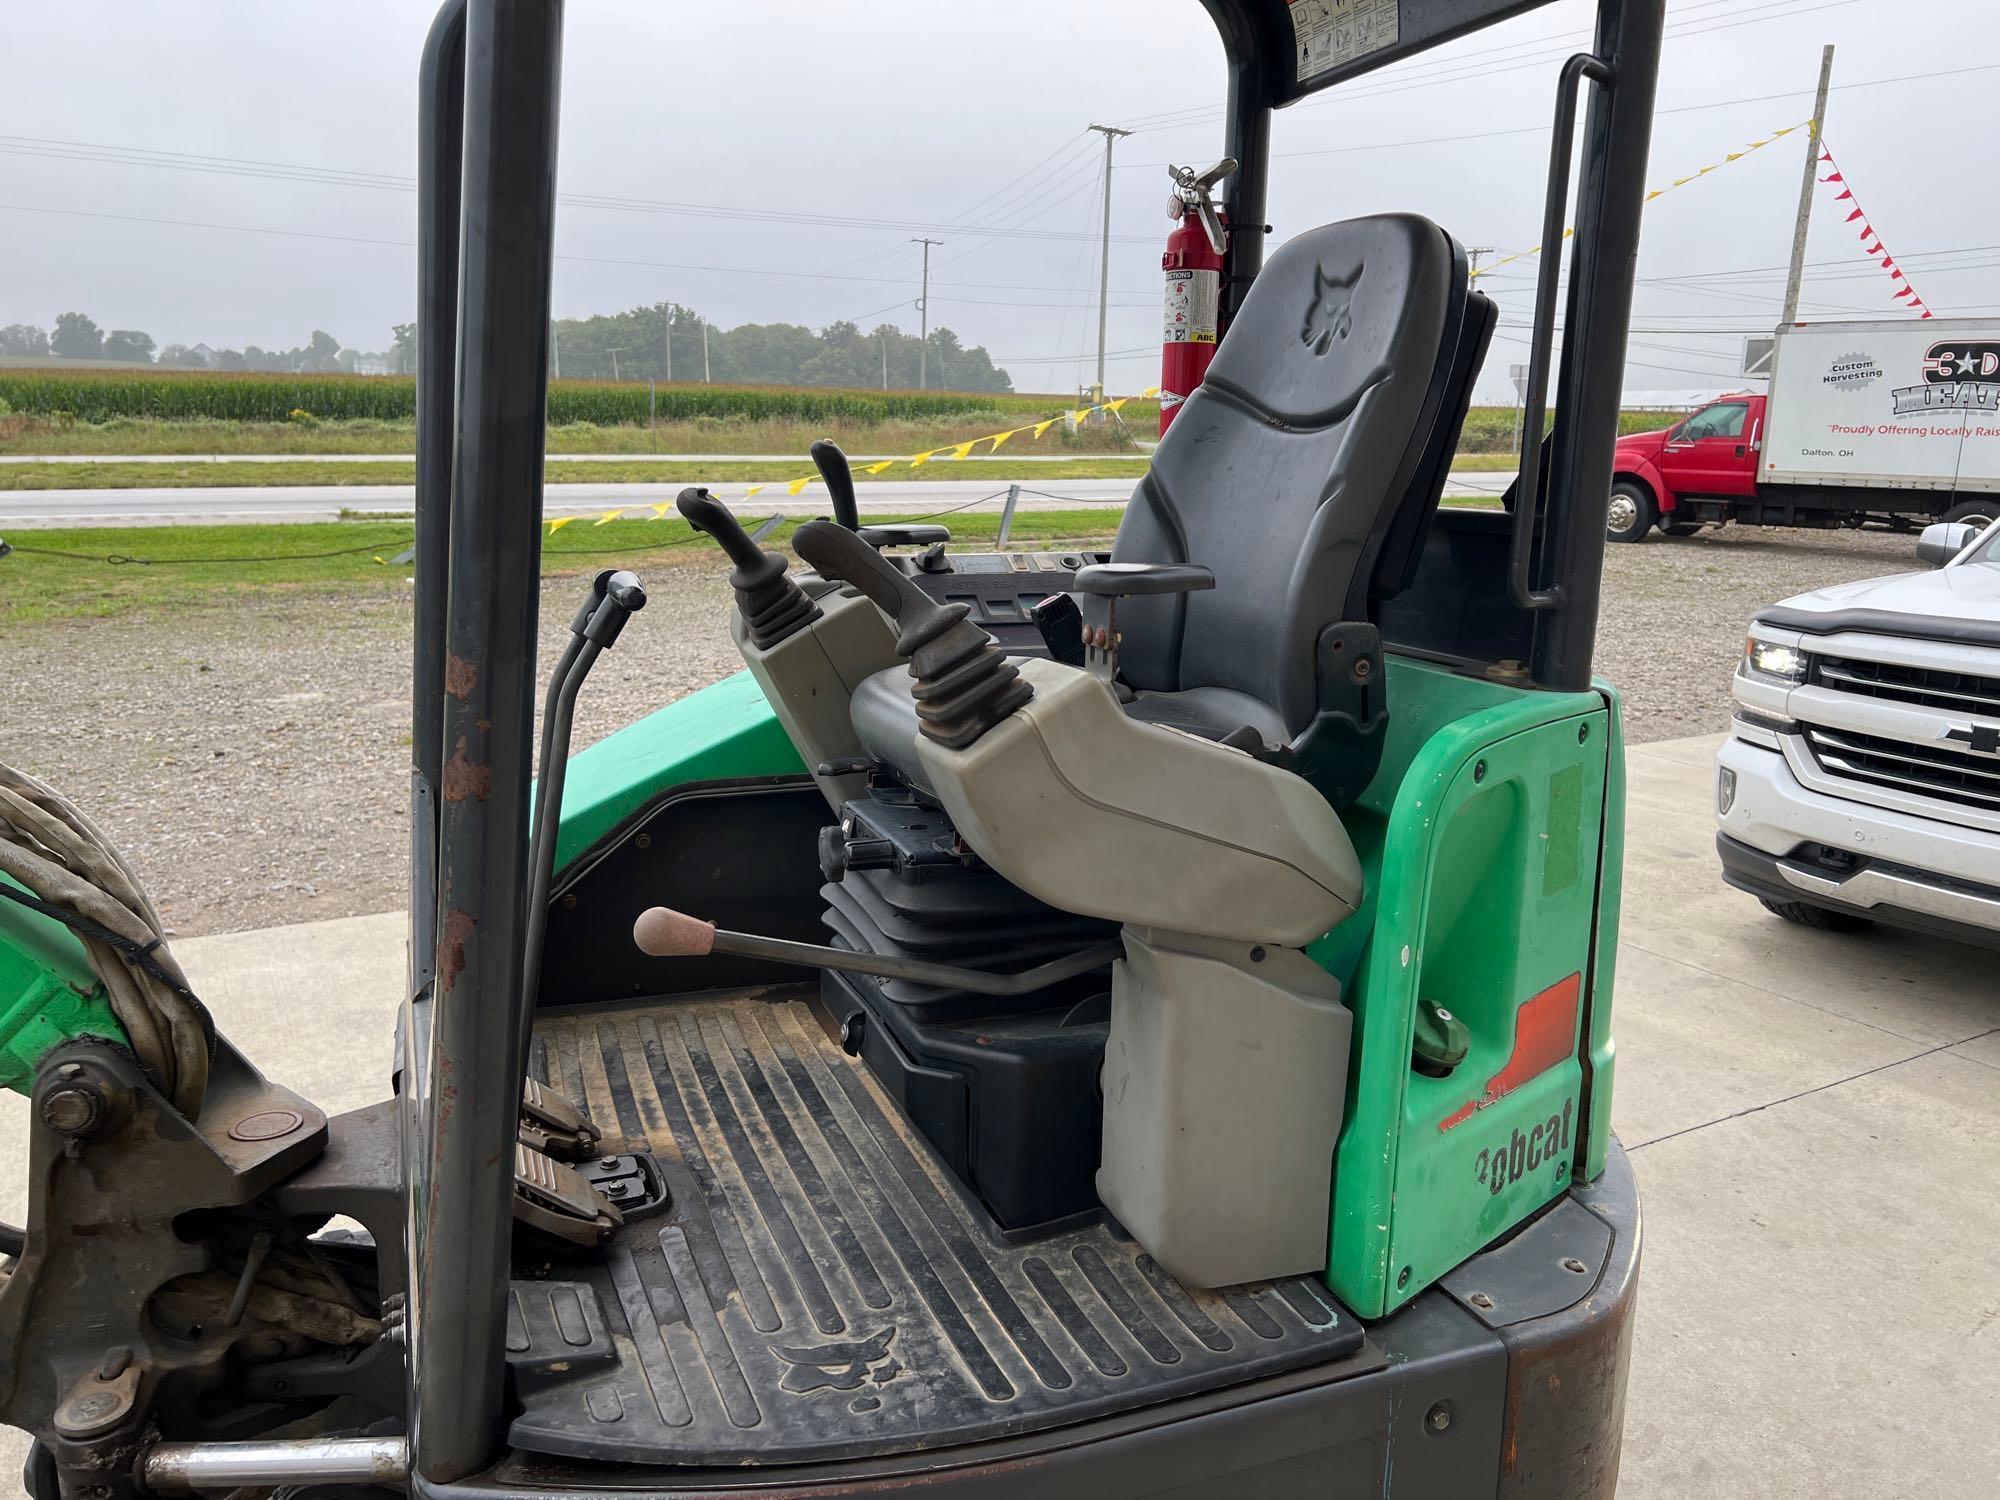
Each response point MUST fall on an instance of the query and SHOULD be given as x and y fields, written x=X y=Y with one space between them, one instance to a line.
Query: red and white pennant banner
x=1871 y=242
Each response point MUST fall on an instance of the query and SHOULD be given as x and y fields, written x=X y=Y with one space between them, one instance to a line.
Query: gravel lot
x=252 y=759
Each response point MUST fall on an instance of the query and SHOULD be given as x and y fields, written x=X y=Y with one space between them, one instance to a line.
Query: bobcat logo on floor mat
x=839 y=1367
x=1331 y=313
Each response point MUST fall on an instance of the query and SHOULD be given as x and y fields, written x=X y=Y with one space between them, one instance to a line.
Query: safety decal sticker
x=1193 y=299
x=1328 y=33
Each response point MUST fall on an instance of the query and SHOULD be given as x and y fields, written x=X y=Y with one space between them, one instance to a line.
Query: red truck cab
x=1710 y=454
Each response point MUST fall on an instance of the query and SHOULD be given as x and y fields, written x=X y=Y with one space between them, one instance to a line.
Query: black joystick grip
x=832 y=466
x=772 y=605
x=964 y=682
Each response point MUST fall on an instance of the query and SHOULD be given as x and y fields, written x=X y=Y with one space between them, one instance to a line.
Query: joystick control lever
x=964 y=682
x=773 y=606
x=832 y=466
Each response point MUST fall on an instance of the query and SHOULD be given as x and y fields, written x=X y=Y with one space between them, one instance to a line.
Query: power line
x=1543 y=129
x=600 y=260
x=336 y=177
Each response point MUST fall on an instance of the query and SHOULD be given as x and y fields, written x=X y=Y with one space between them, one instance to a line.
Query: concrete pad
x=1677 y=908
x=1818 y=1312
x=1695 y=1047
x=1697 y=750
x=313 y=1005
x=1981 y=1049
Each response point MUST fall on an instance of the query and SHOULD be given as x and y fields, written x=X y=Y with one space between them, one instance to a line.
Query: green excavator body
x=48 y=992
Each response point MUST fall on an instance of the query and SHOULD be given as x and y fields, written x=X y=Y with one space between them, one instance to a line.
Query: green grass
x=116 y=476
x=101 y=572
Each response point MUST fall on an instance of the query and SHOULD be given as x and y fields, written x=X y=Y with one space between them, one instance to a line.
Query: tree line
x=662 y=342
x=77 y=336
x=667 y=341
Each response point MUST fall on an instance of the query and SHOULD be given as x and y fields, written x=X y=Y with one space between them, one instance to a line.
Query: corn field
x=182 y=395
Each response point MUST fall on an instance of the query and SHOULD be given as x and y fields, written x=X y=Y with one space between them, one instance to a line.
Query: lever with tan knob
x=665 y=933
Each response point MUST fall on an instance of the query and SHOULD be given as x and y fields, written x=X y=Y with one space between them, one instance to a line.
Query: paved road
x=166 y=507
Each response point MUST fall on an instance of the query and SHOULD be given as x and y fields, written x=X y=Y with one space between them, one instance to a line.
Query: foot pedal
x=559 y=1202
x=553 y=1126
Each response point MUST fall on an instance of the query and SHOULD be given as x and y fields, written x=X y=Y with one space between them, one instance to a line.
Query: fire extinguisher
x=1193 y=266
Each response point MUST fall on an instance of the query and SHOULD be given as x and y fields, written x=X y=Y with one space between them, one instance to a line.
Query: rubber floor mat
x=821 y=1288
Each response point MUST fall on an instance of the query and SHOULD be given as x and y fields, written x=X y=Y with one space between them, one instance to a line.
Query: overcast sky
x=903 y=114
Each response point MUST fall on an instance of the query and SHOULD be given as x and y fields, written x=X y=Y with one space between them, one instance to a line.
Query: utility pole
x=555 y=343
x=670 y=346
x=614 y=353
x=1110 y=134
x=1806 y=182
x=885 y=361
x=704 y=351
x=1473 y=255
x=924 y=317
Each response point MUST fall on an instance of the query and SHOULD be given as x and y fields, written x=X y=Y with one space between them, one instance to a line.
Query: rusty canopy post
x=463 y=1237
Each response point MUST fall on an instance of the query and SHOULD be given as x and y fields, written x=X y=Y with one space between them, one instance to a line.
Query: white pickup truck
x=1862 y=778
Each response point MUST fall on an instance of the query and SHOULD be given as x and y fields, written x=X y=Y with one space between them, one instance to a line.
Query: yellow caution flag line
x=916 y=460
x=1661 y=192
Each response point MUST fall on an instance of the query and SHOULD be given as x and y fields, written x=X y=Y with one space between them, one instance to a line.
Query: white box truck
x=1893 y=422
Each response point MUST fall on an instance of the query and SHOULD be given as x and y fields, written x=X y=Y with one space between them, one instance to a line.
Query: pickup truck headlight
x=1768 y=661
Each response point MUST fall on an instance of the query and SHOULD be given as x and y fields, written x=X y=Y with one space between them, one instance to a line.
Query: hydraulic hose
x=75 y=875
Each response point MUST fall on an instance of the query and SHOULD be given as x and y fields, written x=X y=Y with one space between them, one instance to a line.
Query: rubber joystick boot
x=772 y=605
x=964 y=682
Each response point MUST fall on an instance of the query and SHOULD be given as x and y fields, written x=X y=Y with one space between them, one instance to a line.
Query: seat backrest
x=1317 y=427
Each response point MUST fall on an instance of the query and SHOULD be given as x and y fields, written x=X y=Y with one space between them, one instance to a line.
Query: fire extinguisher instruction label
x=1327 y=33
x=1193 y=298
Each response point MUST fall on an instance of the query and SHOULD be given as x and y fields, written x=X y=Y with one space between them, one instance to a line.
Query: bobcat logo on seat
x=1330 y=315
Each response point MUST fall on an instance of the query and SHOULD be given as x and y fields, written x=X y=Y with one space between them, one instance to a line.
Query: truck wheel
x=1631 y=514
x=1816 y=917
x=1978 y=512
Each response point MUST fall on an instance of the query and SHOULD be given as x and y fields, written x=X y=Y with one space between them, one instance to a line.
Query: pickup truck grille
x=1926 y=686
x=1950 y=775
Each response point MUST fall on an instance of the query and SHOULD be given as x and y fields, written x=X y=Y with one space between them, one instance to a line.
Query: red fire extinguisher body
x=1193 y=270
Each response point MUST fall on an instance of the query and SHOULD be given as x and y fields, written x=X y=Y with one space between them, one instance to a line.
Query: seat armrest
x=1116 y=580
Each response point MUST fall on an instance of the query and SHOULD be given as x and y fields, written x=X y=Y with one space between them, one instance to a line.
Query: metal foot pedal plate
x=820 y=1289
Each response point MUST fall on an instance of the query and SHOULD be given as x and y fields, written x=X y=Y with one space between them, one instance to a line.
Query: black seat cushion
x=1287 y=465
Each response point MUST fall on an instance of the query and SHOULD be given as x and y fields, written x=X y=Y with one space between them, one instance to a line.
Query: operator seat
x=1289 y=496
x=1302 y=473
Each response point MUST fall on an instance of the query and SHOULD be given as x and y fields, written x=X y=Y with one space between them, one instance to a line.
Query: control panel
x=999 y=589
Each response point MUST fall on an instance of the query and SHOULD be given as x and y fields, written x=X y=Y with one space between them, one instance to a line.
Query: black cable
x=140 y=955
x=120 y=559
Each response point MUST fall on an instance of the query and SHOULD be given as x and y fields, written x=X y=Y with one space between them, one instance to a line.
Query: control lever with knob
x=833 y=468
x=665 y=933
x=615 y=596
x=773 y=606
